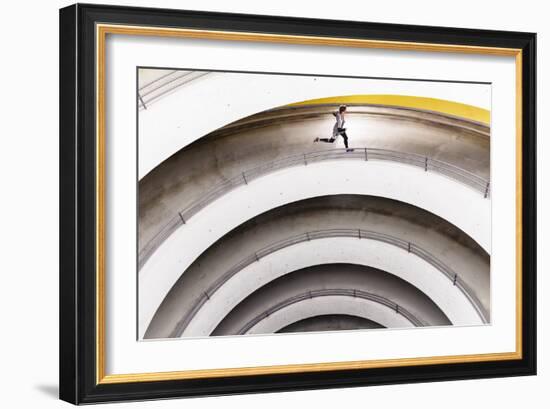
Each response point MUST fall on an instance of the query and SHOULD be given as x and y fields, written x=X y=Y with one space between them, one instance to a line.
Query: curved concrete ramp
x=225 y=154
x=326 y=277
x=398 y=219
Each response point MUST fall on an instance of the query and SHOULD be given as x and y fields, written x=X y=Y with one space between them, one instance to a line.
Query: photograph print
x=276 y=203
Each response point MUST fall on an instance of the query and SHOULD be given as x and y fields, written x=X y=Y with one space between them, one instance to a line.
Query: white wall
x=29 y=209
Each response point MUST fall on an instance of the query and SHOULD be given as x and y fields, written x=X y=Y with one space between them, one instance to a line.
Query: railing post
x=181 y=217
x=486 y=191
x=426 y=164
x=206 y=295
x=359 y=231
x=244 y=178
x=396 y=308
x=366 y=157
x=454 y=279
x=409 y=246
x=256 y=255
x=307 y=235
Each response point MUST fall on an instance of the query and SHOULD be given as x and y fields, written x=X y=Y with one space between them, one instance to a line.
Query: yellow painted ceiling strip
x=443 y=106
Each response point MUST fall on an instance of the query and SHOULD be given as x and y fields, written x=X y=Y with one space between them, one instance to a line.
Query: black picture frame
x=78 y=197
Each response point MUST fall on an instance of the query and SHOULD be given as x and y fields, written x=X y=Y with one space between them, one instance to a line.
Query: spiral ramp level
x=256 y=229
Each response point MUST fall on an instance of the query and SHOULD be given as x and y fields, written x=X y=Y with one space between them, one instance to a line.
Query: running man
x=338 y=128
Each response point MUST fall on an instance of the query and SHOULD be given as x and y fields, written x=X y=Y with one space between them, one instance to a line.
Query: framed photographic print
x=258 y=203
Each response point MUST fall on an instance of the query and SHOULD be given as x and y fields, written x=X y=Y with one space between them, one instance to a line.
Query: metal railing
x=321 y=234
x=364 y=295
x=165 y=84
x=365 y=154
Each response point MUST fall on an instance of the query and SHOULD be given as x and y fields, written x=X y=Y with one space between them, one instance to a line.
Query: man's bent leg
x=345 y=139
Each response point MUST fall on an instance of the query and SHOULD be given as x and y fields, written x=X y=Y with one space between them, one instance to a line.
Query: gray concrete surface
x=279 y=133
x=450 y=245
x=332 y=276
x=331 y=322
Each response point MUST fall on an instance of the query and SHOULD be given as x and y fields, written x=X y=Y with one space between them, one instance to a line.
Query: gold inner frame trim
x=101 y=33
